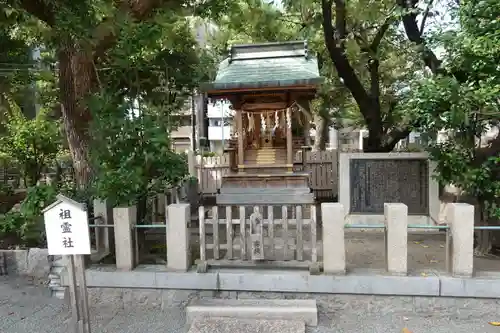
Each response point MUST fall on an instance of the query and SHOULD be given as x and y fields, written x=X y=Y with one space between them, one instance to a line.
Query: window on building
x=218 y=122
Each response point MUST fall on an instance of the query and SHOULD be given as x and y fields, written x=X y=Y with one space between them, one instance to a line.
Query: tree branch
x=339 y=58
x=373 y=66
x=413 y=33
x=319 y=58
x=366 y=103
x=395 y=136
x=388 y=117
x=340 y=19
x=380 y=33
x=106 y=33
x=424 y=17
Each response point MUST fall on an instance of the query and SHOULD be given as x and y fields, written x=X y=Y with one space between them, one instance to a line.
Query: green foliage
x=149 y=73
x=255 y=21
x=157 y=60
x=15 y=74
x=207 y=154
x=26 y=223
x=463 y=101
x=31 y=144
x=133 y=158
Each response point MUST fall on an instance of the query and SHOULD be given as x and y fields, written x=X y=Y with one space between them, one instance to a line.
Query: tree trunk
x=321 y=132
x=77 y=73
x=142 y=210
x=484 y=237
x=374 y=143
x=484 y=242
x=77 y=77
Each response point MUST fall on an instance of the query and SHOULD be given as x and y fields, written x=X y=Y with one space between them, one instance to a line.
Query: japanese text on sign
x=67 y=230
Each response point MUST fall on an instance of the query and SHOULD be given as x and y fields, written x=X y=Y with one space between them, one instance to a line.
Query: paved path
x=27 y=308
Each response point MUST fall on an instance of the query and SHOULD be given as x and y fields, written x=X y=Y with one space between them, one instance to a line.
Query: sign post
x=67 y=230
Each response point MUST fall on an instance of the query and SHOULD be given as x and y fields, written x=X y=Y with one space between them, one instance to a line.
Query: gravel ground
x=426 y=252
x=26 y=307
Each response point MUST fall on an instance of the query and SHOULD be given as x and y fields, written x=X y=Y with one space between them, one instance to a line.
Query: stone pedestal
x=333 y=238
x=178 y=247
x=125 y=220
x=461 y=217
x=396 y=240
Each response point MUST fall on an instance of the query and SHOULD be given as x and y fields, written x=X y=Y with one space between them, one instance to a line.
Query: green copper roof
x=266 y=65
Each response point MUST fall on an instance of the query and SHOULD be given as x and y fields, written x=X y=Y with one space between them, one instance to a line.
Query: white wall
x=216 y=146
x=219 y=133
x=217 y=114
x=219 y=109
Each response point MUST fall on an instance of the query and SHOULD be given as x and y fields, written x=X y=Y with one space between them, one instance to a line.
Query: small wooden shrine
x=269 y=86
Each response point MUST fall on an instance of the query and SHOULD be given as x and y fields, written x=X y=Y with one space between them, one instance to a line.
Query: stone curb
x=366 y=282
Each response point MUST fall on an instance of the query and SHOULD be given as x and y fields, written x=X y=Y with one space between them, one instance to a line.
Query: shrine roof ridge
x=268 y=50
x=260 y=84
x=266 y=65
x=263 y=44
x=62 y=198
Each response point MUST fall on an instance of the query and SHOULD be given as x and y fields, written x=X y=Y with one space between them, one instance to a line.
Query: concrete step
x=227 y=325
x=268 y=309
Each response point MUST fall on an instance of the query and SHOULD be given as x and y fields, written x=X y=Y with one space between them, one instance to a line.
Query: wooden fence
x=322 y=167
x=272 y=236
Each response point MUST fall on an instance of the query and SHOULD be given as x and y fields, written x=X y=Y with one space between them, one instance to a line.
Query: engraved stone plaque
x=374 y=182
x=257 y=235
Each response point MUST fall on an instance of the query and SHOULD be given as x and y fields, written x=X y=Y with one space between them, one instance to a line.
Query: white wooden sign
x=67 y=227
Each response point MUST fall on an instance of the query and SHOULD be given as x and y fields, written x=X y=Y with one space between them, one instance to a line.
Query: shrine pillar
x=239 y=129
x=289 y=141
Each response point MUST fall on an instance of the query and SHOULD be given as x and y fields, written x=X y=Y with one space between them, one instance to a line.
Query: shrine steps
x=269 y=169
x=293 y=313
x=265 y=156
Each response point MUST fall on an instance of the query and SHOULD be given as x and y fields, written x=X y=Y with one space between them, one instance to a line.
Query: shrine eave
x=217 y=88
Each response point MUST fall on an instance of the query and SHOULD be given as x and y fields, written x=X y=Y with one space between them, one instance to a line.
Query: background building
x=220 y=118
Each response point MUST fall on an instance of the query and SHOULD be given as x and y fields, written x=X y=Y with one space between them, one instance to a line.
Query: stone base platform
x=263 y=179
x=282 y=195
x=371 y=282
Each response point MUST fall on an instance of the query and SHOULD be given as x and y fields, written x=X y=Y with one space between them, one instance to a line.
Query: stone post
x=104 y=215
x=461 y=218
x=333 y=216
x=178 y=247
x=396 y=239
x=125 y=220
